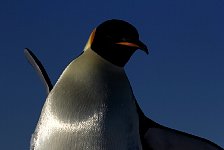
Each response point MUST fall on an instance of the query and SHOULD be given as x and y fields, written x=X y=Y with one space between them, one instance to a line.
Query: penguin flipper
x=158 y=137
x=34 y=61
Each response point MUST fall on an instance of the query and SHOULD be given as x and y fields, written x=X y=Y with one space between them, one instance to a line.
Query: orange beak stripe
x=128 y=44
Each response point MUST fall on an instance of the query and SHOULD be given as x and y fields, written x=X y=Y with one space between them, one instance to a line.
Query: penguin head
x=116 y=41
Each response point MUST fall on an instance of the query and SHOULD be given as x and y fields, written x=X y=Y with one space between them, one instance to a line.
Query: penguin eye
x=113 y=39
x=123 y=39
x=109 y=37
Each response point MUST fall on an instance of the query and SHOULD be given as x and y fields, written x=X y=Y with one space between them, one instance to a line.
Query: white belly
x=88 y=109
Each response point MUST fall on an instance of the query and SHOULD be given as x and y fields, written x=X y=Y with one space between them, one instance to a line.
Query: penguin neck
x=105 y=60
x=117 y=55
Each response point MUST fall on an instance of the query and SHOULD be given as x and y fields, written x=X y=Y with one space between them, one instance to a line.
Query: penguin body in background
x=92 y=105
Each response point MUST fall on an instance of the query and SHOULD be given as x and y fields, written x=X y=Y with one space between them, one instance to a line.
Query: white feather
x=90 y=107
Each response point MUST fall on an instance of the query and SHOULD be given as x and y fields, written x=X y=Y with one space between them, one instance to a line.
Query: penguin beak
x=138 y=44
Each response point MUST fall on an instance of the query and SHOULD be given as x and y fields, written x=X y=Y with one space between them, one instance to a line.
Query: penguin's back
x=90 y=107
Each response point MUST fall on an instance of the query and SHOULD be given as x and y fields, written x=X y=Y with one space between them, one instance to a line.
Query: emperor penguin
x=92 y=105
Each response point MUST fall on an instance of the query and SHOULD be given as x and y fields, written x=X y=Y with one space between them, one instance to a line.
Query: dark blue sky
x=180 y=84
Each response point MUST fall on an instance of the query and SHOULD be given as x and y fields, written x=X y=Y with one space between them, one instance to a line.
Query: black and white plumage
x=92 y=105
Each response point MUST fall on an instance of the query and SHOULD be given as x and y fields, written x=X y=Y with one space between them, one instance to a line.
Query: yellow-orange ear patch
x=92 y=35
x=90 y=40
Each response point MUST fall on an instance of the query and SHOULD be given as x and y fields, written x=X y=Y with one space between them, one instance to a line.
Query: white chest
x=89 y=109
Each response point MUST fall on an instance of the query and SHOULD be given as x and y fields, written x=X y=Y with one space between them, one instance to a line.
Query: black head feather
x=116 y=40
